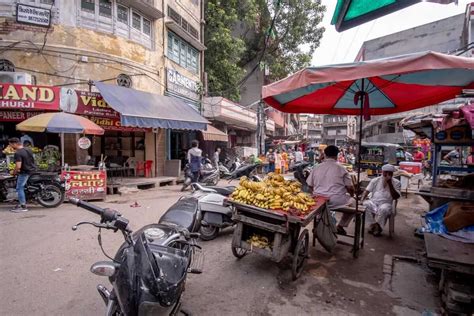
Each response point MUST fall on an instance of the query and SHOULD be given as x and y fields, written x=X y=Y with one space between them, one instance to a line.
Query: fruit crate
x=285 y=233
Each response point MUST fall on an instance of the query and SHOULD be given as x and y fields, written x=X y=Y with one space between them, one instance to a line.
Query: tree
x=281 y=35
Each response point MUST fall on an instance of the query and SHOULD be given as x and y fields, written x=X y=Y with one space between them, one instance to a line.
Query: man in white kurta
x=381 y=192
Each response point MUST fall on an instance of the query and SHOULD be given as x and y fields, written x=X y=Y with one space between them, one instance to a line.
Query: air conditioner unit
x=16 y=77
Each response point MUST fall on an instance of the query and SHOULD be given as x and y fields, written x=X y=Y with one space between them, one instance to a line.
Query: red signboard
x=28 y=97
x=16 y=116
x=86 y=185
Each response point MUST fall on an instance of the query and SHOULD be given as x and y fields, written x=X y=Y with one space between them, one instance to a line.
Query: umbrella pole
x=62 y=150
x=359 y=146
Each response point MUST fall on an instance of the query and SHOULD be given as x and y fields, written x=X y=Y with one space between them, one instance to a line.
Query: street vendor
x=330 y=179
x=382 y=190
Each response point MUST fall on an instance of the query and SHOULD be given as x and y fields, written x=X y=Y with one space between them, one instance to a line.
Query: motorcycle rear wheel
x=208 y=232
x=51 y=196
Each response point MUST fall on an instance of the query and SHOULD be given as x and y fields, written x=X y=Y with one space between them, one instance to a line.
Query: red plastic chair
x=145 y=167
x=148 y=167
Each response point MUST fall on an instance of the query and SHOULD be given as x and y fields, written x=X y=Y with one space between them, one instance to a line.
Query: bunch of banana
x=274 y=193
x=259 y=241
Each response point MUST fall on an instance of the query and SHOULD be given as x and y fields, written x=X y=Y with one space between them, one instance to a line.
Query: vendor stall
x=449 y=229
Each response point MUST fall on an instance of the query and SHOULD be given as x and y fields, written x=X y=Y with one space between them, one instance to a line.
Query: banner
x=16 y=116
x=28 y=97
x=113 y=124
x=86 y=185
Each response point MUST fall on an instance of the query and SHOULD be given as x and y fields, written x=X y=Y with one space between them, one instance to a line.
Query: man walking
x=298 y=155
x=24 y=167
x=383 y=191
x=271 y=160
x=194 y=160
x=216 y=157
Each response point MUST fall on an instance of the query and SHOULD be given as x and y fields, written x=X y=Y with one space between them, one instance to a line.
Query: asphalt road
x=45 y=267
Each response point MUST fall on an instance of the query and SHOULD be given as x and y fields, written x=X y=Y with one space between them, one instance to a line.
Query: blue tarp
x=149 y=110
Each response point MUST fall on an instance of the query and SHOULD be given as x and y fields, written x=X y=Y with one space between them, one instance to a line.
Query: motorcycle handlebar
x=106 y=214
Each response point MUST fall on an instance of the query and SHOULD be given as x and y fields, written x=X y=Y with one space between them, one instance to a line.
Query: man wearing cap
x=383 y=190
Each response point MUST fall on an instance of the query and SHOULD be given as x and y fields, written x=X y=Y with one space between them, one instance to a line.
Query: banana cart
x=278 y=232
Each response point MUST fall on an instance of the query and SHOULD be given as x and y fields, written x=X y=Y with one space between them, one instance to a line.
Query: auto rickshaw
x=375 y=155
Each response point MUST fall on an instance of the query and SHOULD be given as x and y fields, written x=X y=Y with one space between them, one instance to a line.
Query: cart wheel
x=300 y=254
x=239 y=252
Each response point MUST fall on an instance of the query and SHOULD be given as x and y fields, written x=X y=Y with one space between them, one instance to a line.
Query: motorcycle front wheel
x=51 y=196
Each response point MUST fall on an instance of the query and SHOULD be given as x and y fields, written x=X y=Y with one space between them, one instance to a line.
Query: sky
x=341 y=47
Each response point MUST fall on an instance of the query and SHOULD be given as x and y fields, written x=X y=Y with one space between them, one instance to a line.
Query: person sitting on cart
x=331 y=179
x=383 y=190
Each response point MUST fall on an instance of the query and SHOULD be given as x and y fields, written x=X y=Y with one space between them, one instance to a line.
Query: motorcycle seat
x=183 y=213
x=226 y=191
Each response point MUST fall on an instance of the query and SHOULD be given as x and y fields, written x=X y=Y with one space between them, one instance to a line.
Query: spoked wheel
x=239 y=252
x=208 y=232
x=300 y=254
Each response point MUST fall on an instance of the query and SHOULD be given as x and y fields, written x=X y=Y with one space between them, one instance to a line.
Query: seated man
x=330 y=179
x=383 y=190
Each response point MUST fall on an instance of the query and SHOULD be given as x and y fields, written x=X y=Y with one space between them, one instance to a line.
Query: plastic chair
x=145 y=167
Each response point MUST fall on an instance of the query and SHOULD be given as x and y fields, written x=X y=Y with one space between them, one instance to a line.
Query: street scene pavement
x=47 y=263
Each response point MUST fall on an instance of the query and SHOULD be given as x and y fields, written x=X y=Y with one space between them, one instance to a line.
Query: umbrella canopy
x=387 y=86
x=60 y=122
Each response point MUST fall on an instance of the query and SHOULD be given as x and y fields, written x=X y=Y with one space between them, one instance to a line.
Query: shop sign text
x=177 y=83
x=26 y=97
x=33 y=15
x=17 y=116
x=86 y=185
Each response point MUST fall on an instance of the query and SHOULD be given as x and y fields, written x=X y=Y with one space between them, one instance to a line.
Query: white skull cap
x=388 y=168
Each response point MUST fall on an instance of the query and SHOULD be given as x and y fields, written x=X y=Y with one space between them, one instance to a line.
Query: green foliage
x=236 y=32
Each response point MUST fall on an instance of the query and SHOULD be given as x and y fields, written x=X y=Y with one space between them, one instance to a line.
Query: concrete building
x=334 y=130
x=147 y=45
x=312 y=128
x=453 y=35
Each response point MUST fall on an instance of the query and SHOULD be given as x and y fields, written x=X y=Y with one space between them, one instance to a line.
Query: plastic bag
x=326 y=231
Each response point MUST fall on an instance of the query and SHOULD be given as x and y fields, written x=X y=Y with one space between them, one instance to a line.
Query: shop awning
x=149 y=110
x=213 y=134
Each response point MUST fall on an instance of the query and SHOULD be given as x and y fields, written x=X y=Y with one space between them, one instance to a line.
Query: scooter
x=148 y=272
x=216 y=214
x=209 y=175
x=48 y=189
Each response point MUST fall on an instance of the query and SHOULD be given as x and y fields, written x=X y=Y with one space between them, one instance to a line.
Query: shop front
x=185 y=89
x=18 y=103
x=133 y=144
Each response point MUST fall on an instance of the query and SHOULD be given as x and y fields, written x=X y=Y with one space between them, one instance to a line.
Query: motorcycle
x=45 y=188
x=148 y=272
x=209 y=175
x=216 y=214
x=301 y=173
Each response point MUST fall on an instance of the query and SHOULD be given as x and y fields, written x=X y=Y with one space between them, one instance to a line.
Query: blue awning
x=149 y=110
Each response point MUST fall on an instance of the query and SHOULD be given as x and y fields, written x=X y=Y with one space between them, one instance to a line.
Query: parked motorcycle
x=301 y=172
x=209 y=175
x=43 y=187
x=148 y=272
x=216 y=214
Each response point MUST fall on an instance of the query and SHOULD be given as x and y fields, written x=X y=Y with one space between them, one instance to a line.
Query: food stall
x=271 y=217
x=449 y=230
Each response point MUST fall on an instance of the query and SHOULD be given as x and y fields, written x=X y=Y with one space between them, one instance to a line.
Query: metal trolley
x=285 y=233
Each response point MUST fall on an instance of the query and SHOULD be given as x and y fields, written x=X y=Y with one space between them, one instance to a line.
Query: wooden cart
x=285 y=233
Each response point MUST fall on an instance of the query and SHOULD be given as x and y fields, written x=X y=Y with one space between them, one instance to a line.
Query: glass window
x=46 y=1
x=122 y=14
x=176 y=49
x=146 y=26
x=182 y=53
x=194 y=60
x=136 y=21
x=88 y=5
x=105 y=8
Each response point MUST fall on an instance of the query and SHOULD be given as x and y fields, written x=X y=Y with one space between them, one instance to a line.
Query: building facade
x=334 y=130
x=453 y=35
x=148 y=45
x=312 y=128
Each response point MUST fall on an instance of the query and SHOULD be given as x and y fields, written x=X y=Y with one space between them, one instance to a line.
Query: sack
x=325 y=231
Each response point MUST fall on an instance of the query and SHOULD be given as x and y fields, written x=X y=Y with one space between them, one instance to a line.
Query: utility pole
x=260 y=129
